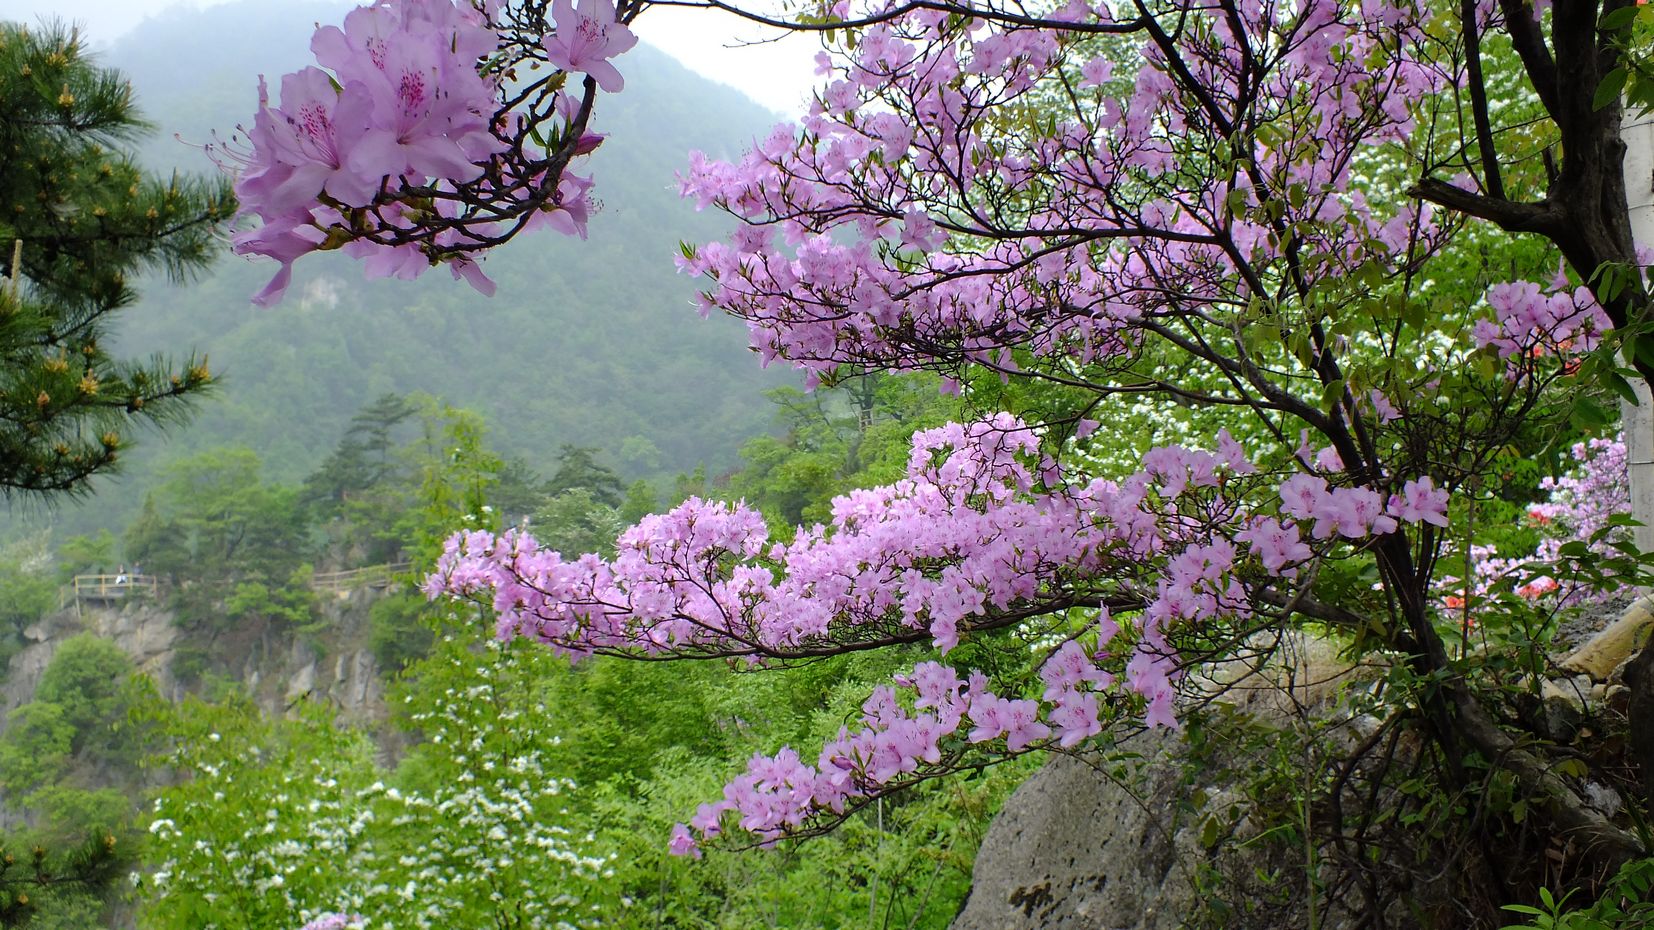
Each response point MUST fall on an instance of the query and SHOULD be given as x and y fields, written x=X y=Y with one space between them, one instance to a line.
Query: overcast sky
x=776 y=74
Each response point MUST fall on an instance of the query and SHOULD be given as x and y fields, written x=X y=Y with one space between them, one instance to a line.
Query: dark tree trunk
x=1585 y=214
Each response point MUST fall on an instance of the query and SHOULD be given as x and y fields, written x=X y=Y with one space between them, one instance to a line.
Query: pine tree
x=578 y=467
x=78 y=219
x=364 y=458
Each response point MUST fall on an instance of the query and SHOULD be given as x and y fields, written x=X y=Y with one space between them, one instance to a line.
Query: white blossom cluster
x=282 y=824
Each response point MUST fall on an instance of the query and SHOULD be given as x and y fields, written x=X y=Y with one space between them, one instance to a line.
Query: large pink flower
x=416 y=127
x=304 y=146
x=586 y=38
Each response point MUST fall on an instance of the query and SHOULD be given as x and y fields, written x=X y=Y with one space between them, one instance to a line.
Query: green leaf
x=1607 y=280
x=1609 y=90
x=1590 y=415
x=1643 y=351
x=1209 y=832
x=1618 y=19
x=1571 y=768
x=1486 y=365
x=1622 y=387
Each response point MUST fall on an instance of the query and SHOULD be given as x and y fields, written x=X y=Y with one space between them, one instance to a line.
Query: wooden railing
x=115 y=587
x=370 y=576
x=120 y=587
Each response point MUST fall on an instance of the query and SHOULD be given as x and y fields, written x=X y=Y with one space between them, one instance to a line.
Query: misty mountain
x=587 y=342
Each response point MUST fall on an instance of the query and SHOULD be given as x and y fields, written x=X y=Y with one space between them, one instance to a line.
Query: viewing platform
x=114 y=587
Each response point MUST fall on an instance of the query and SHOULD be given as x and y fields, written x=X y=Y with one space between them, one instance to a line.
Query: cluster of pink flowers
x=983 y=533
x=401 y=153
x=1355 y=513
x=972 y=532
x=941 y=713
x=404 y=104
x=780 y=793
x=586 y=38
x=847 y=257
x=1598 y=489
x=1580 y=506
x=1528 y=320
x=1347 y=512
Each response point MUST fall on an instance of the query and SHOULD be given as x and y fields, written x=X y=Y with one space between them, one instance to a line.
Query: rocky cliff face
x=1083 y=845
x=1140 y=838
x=275 y=666
x=1165 y=833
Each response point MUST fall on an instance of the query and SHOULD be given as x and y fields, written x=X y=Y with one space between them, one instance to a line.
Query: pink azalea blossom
x=683 y=843
x=1276 y=545
x=586 y=38
x=405 y=103
x=1381 y=405
x=305 y=145
x=1096 y=72
x=1074 y=718
x=1420 y=501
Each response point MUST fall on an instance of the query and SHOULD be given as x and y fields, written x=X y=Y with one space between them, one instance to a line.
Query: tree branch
x=1478 y=101
x=1530 y=47
x=1507 y=214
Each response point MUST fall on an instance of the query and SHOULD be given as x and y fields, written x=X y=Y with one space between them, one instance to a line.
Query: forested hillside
x=587 y=343
x=1190 y=419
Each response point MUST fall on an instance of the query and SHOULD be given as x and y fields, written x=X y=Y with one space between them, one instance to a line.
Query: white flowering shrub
x=278 y=823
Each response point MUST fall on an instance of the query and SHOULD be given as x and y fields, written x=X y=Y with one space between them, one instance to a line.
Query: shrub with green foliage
x=280 y=821
x=399 y=631
x=27 y=593
x=68 y=763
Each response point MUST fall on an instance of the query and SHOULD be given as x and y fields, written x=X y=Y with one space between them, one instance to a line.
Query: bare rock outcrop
x=1130 y=840
x=143 y=629
x=1080 y=847
x=276 y=667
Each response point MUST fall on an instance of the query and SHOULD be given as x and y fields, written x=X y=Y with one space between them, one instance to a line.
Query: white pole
x=1638 y=133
